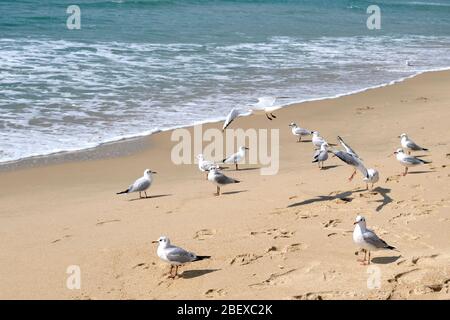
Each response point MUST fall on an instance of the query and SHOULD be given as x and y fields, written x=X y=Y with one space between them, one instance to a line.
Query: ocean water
x=138 y=66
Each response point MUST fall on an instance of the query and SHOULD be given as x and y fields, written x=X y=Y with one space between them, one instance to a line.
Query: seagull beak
x=154 y=172
x=246 y=148
x=356 y=222
x=155 y=241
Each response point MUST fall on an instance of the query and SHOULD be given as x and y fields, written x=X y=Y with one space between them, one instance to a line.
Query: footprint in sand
x=106 y=221
x=294 y=247
x=275 y=233
x=67 y=236
x=142 y=265
x=215 y=293
x=204 y=234
x=244 y=259
x=395 y=178
x=331 y=223
x=322 y=295
x=274 y=279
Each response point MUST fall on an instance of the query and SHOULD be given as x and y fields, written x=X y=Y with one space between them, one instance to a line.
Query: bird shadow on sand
x=234 y=192
x=385 y=260
x=190 y=274
x=151 y=197
x=330 y=167
x=244 y=169
x=302 y=141
x=345 y=196
x=384 y=192
x=420 y=172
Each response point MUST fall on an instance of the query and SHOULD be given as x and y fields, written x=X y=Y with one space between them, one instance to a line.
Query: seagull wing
x=347 y=147
x=371 y=238
x=265 y=102
x=223 y=179
x=140 y=184
x=234 y=113
x=179 y=255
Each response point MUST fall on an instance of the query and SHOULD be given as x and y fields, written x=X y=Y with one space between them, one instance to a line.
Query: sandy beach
x=283 y=236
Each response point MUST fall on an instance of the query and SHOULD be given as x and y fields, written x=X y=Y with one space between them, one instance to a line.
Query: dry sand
x=286 y=236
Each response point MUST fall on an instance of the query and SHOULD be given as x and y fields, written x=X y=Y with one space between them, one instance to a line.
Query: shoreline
x=134 y=143
x=283 y=236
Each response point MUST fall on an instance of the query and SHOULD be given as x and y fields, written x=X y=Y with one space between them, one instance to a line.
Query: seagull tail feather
x=202 y=258
x=122 y=192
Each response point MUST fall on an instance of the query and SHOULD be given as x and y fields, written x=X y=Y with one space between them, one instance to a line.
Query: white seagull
x=321 y=155
x=372 y=176
x=299 y=132
x=407 y=160
x=236 y=157
x=205 y=165
x=219 y=179
x=367 y=240
x=410 y=145
x=234 y=113
x=317 y=140
x=141 y=184
x=175 y=256
x=265 y=105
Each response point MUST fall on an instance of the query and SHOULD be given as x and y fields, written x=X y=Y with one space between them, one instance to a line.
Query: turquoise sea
x=138 y=66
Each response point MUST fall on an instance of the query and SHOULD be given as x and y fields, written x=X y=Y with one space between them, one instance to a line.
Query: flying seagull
x=407 y=160
x=175 y=256
x=265 y=105
x=141 y=184
x=367 y=240
x=234 y=113
x=219 y=179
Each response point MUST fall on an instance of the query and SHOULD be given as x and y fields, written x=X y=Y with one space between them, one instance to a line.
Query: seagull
x=234 y=113
x=367 y=240
x=265 y=105
x=408 y=161
x=410 y=145
x=219 y=179
x=351 y=160
x=236 y=157
x=321 y=155
x=205 y=165
x=299 y=132
x=317 y=140
x=347 y=147
x=141 y=184
x=176 y=256
x=372 y=176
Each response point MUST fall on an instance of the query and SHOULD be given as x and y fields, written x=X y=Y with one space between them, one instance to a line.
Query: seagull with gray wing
x=141 y=184
x=367 y=240
x=321 y=155
x=299 y=132
x=410 y=145
x=175 y=256
x=408 y=161
x=234 y=113
x=219 y=179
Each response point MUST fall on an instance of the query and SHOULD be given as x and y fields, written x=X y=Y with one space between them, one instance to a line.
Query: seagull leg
x=406 y=171
x=299 y=138
x=218 y=191
x=273 y=116
x=368 y=260
x=206 y=175
x=268 y=117
x=236 y=166
x=176 y=272
x=363 y=262
x=359 y=253
x=140 y=195
x=145 y=192
x=352 y=176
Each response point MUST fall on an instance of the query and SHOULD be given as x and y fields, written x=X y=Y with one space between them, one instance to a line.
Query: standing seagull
x=234 y=113
x=410 y=145
x=408 y=161
x=321 y=155
x=236 y=157
x=205 y=165
x=175 y=256
x=367 y=240
x=317 y=140
x=299 y=132
x=141 y=184
x=219 y=179
x=372 y=176
x=265 y=105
